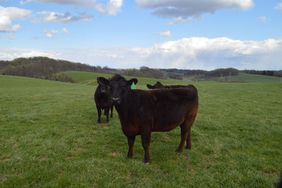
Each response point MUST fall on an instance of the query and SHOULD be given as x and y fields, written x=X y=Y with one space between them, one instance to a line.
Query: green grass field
x=251 y=78
x=89 y=78
x=49 y=138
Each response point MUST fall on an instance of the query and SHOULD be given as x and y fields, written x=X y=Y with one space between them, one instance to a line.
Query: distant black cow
x=102 y=99
x=279 y=184
x=142 y=112
x=159 y=85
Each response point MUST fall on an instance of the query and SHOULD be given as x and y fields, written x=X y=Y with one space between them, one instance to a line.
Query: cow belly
x=167 y=122
x=165 y=126
x=160 y=128
x=131 y=130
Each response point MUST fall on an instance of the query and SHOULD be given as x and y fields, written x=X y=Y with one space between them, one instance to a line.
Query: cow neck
x=104 y=97
x=124 y=107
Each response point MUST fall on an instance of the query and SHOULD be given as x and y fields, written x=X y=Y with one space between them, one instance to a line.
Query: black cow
x=279 y=183
x=142 y=112
x=159 y=85
x=102 y=99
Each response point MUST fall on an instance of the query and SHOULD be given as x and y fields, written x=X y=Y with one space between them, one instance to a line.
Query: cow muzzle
x=116 y=100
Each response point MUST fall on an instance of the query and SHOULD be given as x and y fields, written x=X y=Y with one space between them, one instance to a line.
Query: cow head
x=120 y=86
x=157 y=85
x=104 y=85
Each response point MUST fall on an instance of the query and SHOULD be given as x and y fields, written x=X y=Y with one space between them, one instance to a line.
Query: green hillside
x=89 y=78
x=49 y=138
x=85 y=77
x=243 y=77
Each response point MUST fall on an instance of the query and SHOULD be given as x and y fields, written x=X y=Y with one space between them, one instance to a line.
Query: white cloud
x=111 y=8
x=57 y=17
x=187 y=9
x=179 y=20
x=186 y=53
x=7 y=26
x=262 y=19
x=53 y=32
x=165 y=33
x=8 y=14
x=278 y=6
x=12 y=53
x=85 y=3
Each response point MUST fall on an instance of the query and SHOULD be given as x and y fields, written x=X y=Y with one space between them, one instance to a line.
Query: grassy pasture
x=49 y=138
x=89 y=78
x=251 y=78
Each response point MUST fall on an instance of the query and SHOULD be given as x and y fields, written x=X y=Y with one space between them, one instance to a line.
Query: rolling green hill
x=54 y=69
x=85 y=77
x=244 y=77
x=49 y=138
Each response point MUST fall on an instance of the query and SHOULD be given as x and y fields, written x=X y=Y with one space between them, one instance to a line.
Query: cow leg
x=188 y=140
x=130 y=140
x=107 y=113
x=184 y=134
x=112 y=106
x=146 y=138
x=99 y=114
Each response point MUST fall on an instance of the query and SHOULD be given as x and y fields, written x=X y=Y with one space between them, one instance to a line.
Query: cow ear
x=133 y=80
x=102 y=81
x=149 y=86
x=159 y=83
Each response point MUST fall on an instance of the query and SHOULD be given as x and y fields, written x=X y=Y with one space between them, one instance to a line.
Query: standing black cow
x=142 y=112
x=102 y=99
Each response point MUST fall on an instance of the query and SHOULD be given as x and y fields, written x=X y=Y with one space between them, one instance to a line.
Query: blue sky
x=203 y=34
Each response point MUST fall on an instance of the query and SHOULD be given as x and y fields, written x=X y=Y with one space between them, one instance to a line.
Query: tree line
x=265 y=72
x=52 y=69
x=41 y=67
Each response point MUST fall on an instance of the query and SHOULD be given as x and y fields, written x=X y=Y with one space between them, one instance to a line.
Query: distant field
x=84 y=77
x=243 y=77
x=49 y=138
x=90 y=78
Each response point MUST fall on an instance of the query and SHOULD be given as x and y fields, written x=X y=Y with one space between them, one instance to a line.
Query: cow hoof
x=146 y=163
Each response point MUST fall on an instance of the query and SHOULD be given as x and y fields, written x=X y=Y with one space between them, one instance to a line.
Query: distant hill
x=41 y=67
x=52 y=69
x=3 y=64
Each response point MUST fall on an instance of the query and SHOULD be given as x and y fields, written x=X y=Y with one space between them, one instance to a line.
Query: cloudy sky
x=189 y=34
